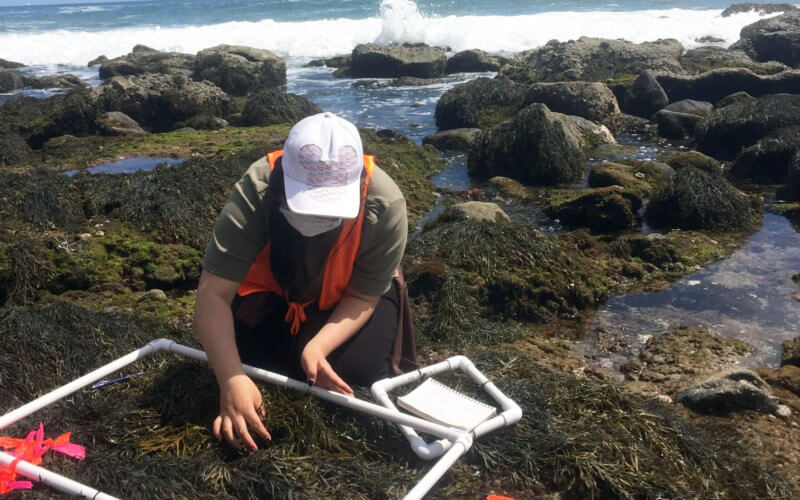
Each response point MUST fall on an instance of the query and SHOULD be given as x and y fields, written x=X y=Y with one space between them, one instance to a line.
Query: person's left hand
x=319 y=372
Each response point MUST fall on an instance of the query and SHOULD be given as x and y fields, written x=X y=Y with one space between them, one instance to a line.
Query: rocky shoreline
x=97 y=264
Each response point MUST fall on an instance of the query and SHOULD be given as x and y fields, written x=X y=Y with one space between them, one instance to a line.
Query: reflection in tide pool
x=747 y=296
x=127 y=165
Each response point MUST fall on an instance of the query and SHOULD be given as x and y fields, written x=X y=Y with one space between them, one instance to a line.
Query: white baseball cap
x=322 y=164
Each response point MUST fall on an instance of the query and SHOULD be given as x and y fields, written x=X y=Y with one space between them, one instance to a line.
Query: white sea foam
x=400 y=21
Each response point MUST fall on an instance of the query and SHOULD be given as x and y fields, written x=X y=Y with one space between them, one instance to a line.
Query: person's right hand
x=240 y=405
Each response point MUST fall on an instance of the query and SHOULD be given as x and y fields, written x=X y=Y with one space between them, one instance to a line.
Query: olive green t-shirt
x=242 y=231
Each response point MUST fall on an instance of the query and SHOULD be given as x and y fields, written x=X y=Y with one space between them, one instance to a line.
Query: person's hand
x=240 y=405
x=319 y=371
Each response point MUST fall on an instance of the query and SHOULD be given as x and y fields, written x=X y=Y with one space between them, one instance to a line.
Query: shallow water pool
x=747 y=296
x=127 y=165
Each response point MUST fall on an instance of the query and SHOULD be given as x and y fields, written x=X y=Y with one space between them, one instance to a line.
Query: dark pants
x=265 y=341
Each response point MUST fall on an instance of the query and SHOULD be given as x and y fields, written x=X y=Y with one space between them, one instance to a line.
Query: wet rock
x=716 y=84
x=391 y=61
x=734 y=98
x=14 y=150
x=158 y=101
x=483 y=102
x=271 y=106
x=590 y=100
x=593 y=134
x=603 y=210
x=535 y=147
x=473 y=61
x=593 y=59
x=674 y=125
x=11 y=80
x=791 y=352
x=683 y=355
x=704 y=59
x=97 y=60
x=761 y=8
x=411 y=81
x=203 y=122
x=682 y=159
x=732 y=391
x=116 y=123
x=773 y=39
x=458 y=139
x=240 y=70
x=731 y=128
x=331 y=62
x=143 y=60
x=645 y=96
x=769 y=160
x=6 y=64
x=625 y=123
x=700 y=108
x=695 y=199
x=512 y=188
x=56 y=81
x=475 y=210
x=614 y=174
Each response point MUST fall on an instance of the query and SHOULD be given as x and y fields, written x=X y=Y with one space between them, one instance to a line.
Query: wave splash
x=400 y=21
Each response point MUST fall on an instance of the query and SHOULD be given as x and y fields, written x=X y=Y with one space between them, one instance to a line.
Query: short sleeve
x=240 y=231
x=381 y=251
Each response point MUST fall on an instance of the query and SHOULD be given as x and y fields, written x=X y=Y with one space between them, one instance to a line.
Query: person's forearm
x=215 y=328
x=348 y=317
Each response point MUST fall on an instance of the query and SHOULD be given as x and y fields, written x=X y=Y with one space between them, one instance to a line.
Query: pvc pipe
x=439 y=469
x=78 y=384
x=57 y=481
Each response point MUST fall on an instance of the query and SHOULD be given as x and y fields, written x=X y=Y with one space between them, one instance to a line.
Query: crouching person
x=301 y=275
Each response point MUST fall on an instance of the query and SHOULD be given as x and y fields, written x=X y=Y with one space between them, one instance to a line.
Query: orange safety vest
x=338 y=269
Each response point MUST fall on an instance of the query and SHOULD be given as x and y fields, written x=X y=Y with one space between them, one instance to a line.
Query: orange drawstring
x=295 y=315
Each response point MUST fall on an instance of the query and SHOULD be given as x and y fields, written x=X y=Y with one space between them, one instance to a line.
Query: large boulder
x=390 y=61
x=761 y=8
x=240 y=70
x=773 y=39
x=645 y=96
x=536 y=147
x=144 y=60
x=14 y=150
x=719 y=83
x=11 y=80
x=158 y=101
x=590 y=100
x=116 y=123
x=704 y=59
x=55 y=81
x=6 y=64
x=457 y=139
x=695 y=199
x=482 y=102
x=603 y=210
x=768 y=160
x=272 y=106
x=673 y=125
x=736 y=390
x=731 y=128
x=37 y=120
x=473 y=61
x=593 y=59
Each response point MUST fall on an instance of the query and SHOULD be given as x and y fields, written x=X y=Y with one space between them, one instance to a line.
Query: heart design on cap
x=326 y=174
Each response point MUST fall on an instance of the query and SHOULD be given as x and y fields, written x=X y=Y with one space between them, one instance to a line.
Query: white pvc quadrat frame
x=451 y=445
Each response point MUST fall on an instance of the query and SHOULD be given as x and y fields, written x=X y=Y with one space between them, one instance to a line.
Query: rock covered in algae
x=736 y=390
